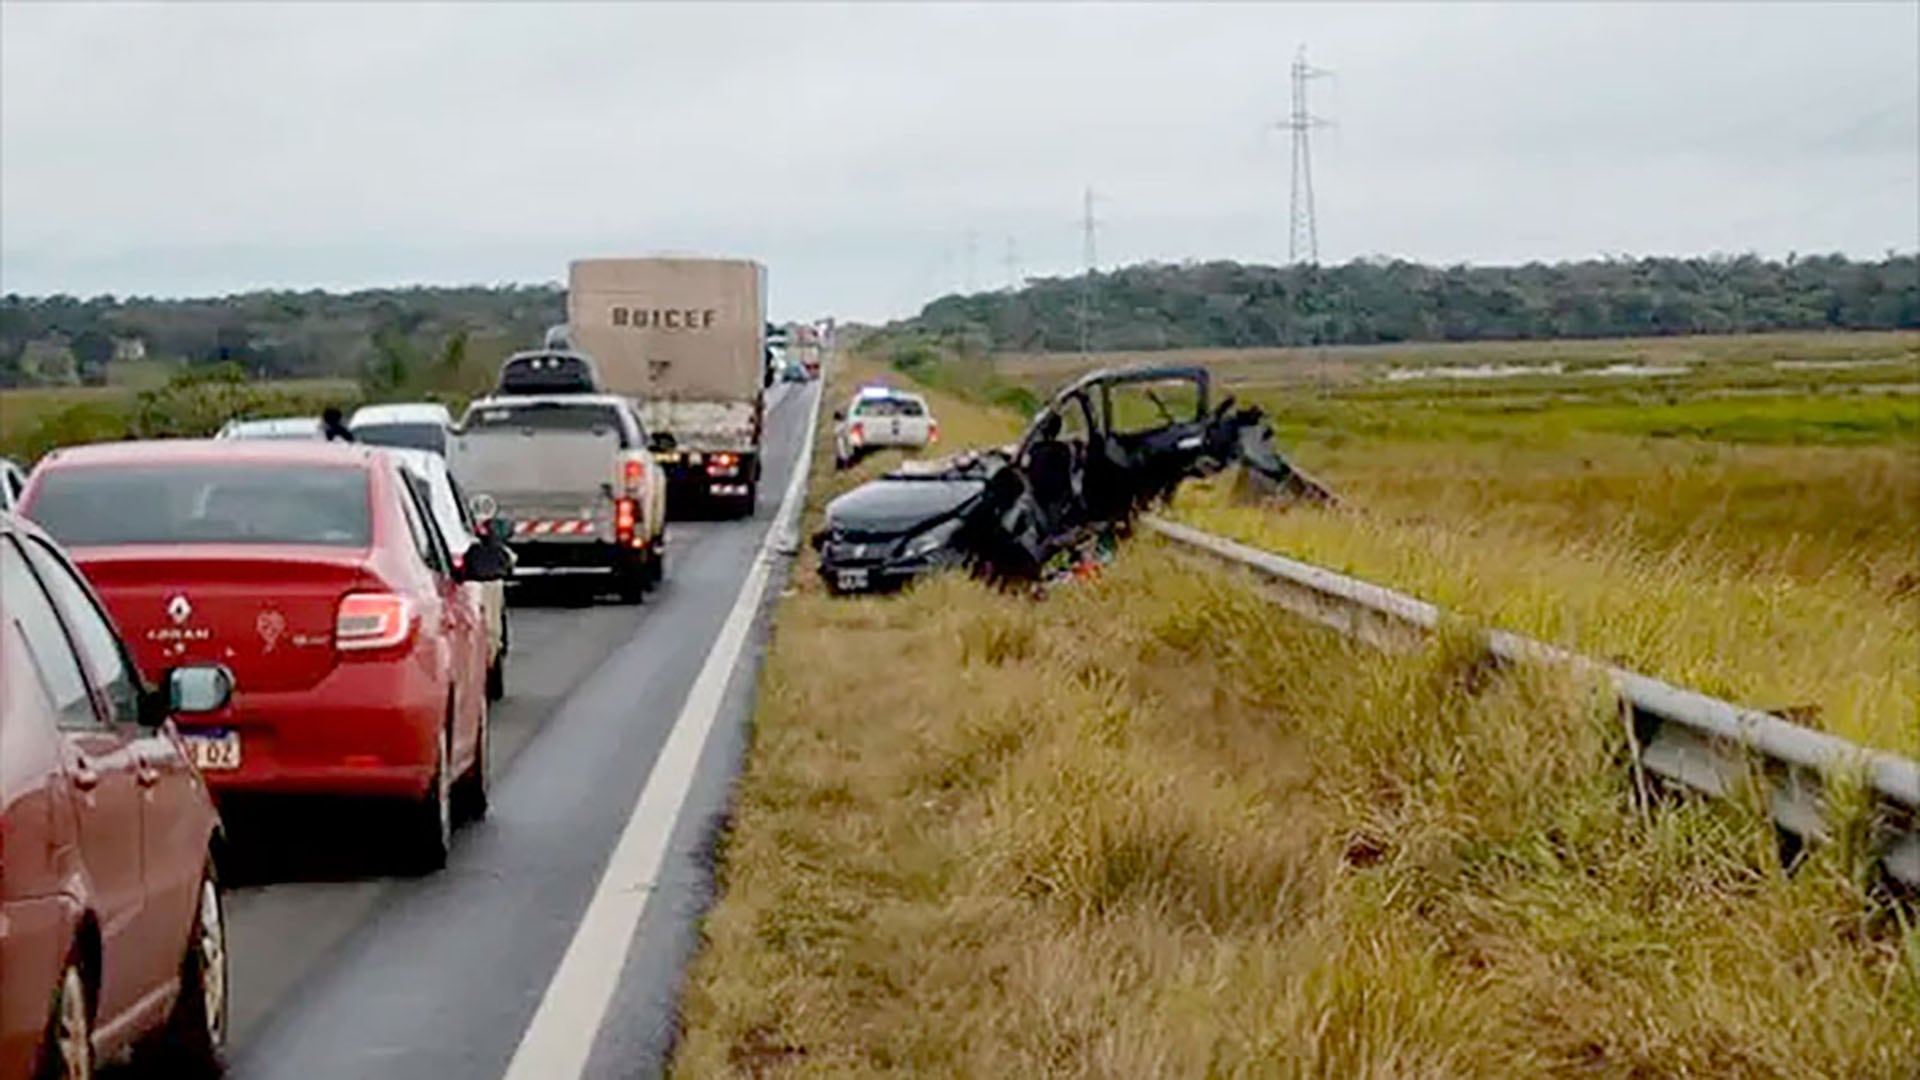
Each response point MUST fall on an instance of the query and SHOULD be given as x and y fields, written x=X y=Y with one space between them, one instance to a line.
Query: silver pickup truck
x=574 y=475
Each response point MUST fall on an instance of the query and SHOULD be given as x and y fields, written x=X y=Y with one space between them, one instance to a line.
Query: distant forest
x=62 y=339
x=1227 y=304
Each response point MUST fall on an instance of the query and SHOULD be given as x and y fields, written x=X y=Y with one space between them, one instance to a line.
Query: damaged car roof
x=1008 y=512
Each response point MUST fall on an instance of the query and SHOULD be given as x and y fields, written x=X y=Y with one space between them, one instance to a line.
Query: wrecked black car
x=1106 y=447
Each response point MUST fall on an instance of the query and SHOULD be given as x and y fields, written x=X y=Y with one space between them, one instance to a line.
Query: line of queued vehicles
x=187 y=625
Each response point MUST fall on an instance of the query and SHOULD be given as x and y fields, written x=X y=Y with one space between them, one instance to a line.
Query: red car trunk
x=265 y=611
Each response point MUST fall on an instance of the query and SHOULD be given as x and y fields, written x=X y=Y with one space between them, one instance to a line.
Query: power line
x=1303 y=232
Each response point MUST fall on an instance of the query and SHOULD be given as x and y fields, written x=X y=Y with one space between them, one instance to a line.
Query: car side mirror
x=838 y=415
x=487 y=561
x=498 y=529
x=661 y=442
x=198 y=688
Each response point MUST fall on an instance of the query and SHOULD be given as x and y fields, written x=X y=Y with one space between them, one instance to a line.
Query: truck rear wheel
x=657 y=563
x=632 y=579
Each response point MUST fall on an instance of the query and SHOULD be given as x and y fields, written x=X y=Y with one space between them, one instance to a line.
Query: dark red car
x=315 y=572
x=112 y=933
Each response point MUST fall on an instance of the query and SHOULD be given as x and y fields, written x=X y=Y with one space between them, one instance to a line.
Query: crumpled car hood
x=1019 y=510
x=893 y=505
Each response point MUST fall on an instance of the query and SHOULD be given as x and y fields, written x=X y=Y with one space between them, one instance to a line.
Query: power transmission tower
x=1088 y=225
x=1303 y=233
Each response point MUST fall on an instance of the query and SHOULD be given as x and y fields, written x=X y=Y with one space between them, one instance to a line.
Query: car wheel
x=497 y=676
x=193 y=1042
x=431 y=834
x=470 y=796
x=632 y=581
x=68 y=1054
x=657 y=565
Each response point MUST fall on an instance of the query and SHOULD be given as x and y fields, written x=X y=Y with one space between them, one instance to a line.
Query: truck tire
x=631 y=580
x=657 y=564
x=744 y=507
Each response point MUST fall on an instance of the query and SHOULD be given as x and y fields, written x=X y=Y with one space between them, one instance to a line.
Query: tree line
x=1377 y=301
x=266 y=334
x=384 y=337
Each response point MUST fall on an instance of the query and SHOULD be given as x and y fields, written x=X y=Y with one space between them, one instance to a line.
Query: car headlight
x=926 y=543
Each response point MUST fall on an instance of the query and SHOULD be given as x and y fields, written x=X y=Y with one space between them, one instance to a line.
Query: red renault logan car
x=112 y=933
x=315 y=573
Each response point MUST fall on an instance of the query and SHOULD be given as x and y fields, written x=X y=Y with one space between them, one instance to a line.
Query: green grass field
x=1150 y=826
x=1749 y=526
x=34 y=420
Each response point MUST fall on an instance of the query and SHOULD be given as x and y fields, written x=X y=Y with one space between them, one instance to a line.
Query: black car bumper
x=850 y=571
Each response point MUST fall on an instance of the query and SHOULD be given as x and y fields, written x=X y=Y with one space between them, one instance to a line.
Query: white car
x=881 y=417
x=451 y=513
x=279 y=427
x=422 y=425
x=13 y=481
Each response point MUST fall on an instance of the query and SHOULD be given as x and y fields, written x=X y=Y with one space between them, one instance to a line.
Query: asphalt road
x=342 y=968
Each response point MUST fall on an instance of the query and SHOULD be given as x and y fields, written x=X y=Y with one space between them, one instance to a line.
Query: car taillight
x=623 y=521
x=722 y=464
x=372 y=621
x=632 y=474
x=933 y=431
x=855 y=432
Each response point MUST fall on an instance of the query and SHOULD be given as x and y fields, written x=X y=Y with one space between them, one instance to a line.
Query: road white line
x=560 y=1037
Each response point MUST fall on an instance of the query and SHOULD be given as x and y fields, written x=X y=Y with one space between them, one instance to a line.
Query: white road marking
x=560 y=1037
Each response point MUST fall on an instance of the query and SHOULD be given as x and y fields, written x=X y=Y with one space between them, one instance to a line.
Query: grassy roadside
x=1150 y=827
x=1744 y=528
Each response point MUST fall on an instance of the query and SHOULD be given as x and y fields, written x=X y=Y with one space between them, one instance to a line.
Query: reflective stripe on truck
x=550 y=527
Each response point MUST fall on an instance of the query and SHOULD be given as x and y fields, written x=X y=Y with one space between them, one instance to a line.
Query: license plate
x=851 y=580
x=213 y=751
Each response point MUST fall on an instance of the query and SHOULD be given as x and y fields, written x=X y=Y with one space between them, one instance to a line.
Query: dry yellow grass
x=1151 y=827
x=1763 y=548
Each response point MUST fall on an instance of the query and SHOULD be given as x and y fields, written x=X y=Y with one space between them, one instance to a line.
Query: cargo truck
x=686 y=339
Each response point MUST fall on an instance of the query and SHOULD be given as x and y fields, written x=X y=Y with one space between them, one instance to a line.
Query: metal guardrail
x=1685 y=738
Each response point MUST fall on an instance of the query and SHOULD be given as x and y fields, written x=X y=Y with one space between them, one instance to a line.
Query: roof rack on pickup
x=548 y=371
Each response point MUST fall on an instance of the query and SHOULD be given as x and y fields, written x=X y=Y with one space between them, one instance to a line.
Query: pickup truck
x=878 y=418
x=573 y=474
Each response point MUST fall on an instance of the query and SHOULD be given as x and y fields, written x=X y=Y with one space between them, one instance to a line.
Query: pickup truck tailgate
x=546 y=476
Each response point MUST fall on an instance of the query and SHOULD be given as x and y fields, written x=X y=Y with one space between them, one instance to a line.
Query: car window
x=1150 y=404
x=463 y=507
x=91 y=633
x=436 y=536
x=548 y=416
x=414 y=436
x=888 y=406
x=1075 y=420
x=448 y=515
x=416 y=525
x=54 y=660
x=204 y=502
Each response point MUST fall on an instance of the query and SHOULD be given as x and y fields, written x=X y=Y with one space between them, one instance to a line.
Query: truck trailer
x=685 y=338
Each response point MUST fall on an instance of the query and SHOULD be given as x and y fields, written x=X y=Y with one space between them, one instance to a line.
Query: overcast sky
x=198 y=148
